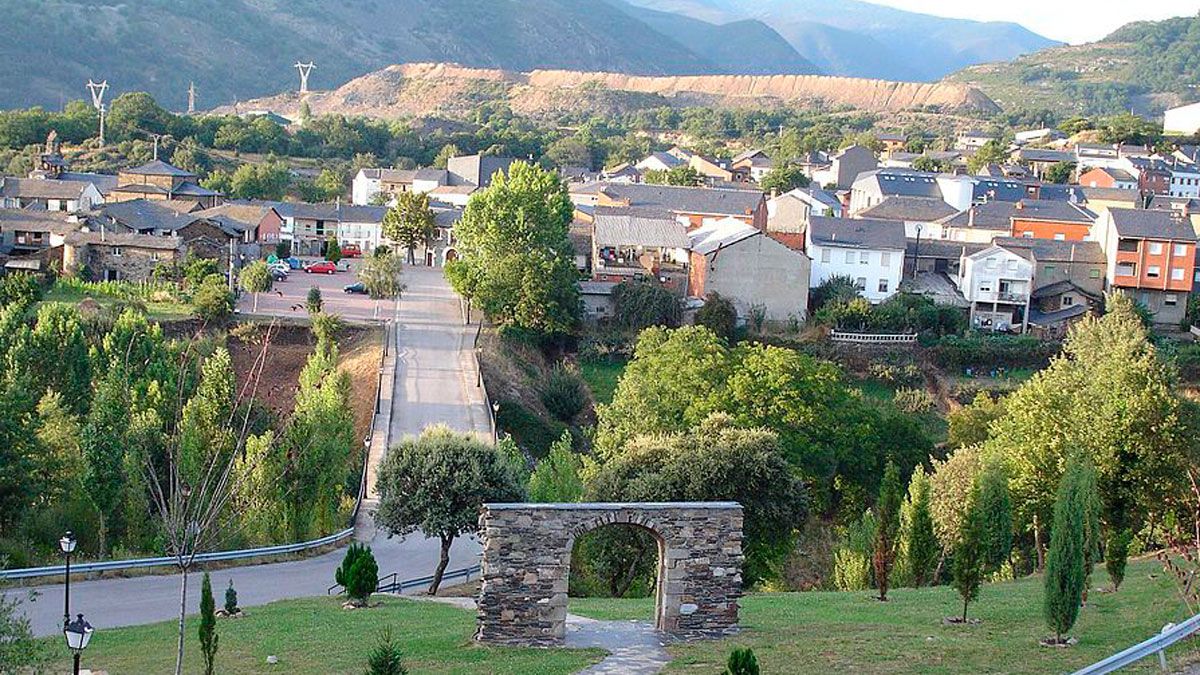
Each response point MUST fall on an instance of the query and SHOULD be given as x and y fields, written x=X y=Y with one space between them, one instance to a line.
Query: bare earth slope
x=451 y=90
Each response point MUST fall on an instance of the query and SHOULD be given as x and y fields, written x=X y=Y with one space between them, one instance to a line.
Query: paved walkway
x=434 y=383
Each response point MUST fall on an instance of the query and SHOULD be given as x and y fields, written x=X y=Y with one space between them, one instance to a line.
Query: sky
x=1073 y=21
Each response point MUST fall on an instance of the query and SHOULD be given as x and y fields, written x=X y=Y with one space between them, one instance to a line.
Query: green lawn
x=602 y=377
x=852 y=633
x=317 y=636
x=155 y=310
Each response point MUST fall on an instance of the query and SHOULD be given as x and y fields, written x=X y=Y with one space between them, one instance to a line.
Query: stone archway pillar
x=527 y=558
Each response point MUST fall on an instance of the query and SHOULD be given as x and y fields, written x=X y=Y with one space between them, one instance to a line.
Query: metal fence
x=1170 y=634
x=872 y=339
x=393 y=584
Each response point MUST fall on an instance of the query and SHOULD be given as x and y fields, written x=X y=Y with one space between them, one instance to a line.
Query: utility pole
x=305 y=69
x=191 y=98
x=97 y=90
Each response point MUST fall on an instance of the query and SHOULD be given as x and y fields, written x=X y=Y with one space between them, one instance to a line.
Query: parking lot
x=286 y=298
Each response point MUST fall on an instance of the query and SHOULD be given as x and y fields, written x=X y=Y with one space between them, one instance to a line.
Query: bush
x=834 y=290
x=386 y=658
x=325 y=327
x=564 y=393
x=209 y=640
x=742 y=662
x=718 y=315
x=283 y=249
x=906 y=374
x=231 y=606
x=533 y=433
x=913 y=401
x=19 y=288
x=358 y=573
x=852 y=559
x=902 y=313
x=992 y=351
x=641 y=303
x=212 y=301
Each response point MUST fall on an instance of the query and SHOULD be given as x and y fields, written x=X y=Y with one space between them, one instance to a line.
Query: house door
x=111 y=275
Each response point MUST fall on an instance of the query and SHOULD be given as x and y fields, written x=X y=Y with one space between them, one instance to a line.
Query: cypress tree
x=888 y=509
x=208 y=625
x=921 y=542
x=967 y=570
x=996 y=504
x=1065 y=564
x=1116 y=553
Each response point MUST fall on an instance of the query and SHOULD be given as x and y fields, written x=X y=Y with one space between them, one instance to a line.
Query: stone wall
x=527 y=559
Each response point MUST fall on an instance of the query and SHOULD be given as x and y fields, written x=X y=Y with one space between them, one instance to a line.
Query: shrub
x=231 y=606
x=642 y=303
x=906 y=374
x=359 y=573
x=283 y=249
x=19 y=288
x=333 y=250
x=742 y=662
x=718 y=315
x=342 y=574
x=852 y=559
x=212 y=301
x=834 y=290
x=533 y=433
x=913 y=401
x=564 y=393
x=325 y=327
x=992 y=351
x=386 y=658
x=313 y=303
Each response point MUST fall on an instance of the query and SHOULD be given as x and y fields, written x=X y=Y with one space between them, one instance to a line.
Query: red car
x=323 y=267
x=351 y=251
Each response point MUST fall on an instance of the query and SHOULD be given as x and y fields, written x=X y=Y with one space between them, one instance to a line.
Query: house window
x=1012 y=265
x=825 y=255
x=1126 y=269
x=1128 y=245
x=1156 y=248
x=1027 y=235
x=1180 y=250
x=1177 y=274
x=864 y=259
x=116 y=251
x=1153 y=272
x=885 y=259
x=883 y=285
x=1068 y=300
x=985 y=287
x=1170 y=299
x=1060 y=237
x=1049 y=269
x=850 y=257
x=154 y=257
x=1094 y=273
x=861 y=283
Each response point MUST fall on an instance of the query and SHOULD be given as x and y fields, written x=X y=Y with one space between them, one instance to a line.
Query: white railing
x=872 y=338
x=1171 y=633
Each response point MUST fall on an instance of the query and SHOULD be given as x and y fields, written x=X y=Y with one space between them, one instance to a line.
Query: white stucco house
x=998 y=282
x=1183 y=121
x=869 y=251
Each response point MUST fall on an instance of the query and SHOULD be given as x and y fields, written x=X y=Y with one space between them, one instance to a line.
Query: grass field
x=159 y=311
x=852 y=633
x=316 y=636
x=602 y=377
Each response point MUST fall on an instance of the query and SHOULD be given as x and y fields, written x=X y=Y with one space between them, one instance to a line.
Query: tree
x=1060 y=172
x=834 y=290
x=556 y=477
x=970 y=424
x=888 y=514
x=231 y=600
x=564 y=393
x=212 y=301
x=1116 y=554
x=741 y=662
x=209 y=640
x=967 y=567
x=919 y=541
x=436 y=483
x=444 y=156
x=569 y=152
x=256 y=278
x=358 y=574
x=719 y=315
x=516 y=259
x=313 y=302
x=1065 y=564
x=19 y=651
x=641 y=303
x=950 y=491
x=410 y=223
x=333 y=251
x=996 y=507
x=927 y=163
x=380 y=276
x=386 y=658
x=682 y=176
x=784 y=178
x=330 y=185
x=992 y=152
x=103 y=446
x=61 y=346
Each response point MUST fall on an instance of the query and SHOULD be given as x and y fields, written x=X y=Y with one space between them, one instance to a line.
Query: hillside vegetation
x=1146 y=66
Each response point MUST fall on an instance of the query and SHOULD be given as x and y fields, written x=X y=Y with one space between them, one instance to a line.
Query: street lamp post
x=917 y=253
x=78 y=634
x=67 y=544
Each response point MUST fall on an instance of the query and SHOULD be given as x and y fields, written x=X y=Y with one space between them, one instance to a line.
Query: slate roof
x=1060 y=287
x=1052 y=250
x=251 y=214
x=104 y=182
x=1117 y=174
x=1001 y=189
x=897 y=207
x=41 y=188
x=1110 y=194
x=857 y=233
x=990 y=216
x=131 y=240
x=1042 y=155
x=142 y=215
x=444 y=218
x=351 y=213
x=903 y=182
x=1152 y=224
x=718 y=235
x=159 y=168
x=697 y=200
x=476 y=169
x=1056 y=211
x=638 y=227
x=24 y=220
x=1038 y=318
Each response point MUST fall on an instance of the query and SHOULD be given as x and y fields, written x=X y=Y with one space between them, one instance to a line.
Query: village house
x=1108 y=177
x=1185 y=179
x=660 y=161
x=1049 y=219
x=1182 y=121
x=159 y=181
x=972 y=140
x=917 y=213
x=1039 y=160
x=48 y=194
x=750 y=269
x=1150 y=254
x=1068 y=281
x=997 y=282
x=639 y=242
x=869 y=251
x=790 y=211
x=976 y=224
x=23 y=232
x=845 y=167
x=752 y=165
x=122 y=257
x=892 y=141
x=697 y=205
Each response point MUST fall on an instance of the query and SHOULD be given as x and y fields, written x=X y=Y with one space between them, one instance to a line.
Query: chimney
x=971 y=217
x=1021 y=205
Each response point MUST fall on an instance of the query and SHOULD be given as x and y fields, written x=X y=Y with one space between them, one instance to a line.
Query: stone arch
x=527 y=559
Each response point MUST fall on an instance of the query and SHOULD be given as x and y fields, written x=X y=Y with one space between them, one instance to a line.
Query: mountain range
x=235 y=49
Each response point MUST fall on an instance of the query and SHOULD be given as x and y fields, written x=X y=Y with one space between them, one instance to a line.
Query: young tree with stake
x=967 y=570
x=888 y=511
x=256 y=278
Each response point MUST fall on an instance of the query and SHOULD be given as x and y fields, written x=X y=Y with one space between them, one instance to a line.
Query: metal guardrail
x=1171 y=633
x=868 y=338
x=397 y=586
x=143 y=563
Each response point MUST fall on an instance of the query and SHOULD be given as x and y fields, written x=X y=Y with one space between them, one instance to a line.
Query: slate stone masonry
x=527 y=559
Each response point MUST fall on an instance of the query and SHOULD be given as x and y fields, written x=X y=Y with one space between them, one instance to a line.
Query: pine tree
x=741 y=662
x=208 y=625
x=921 y=546
x=967 y=569
x=888 y=510
x=1116 y=552
x=386 y=658
x=1065 y=564
x=996 y=505
x=231 y=606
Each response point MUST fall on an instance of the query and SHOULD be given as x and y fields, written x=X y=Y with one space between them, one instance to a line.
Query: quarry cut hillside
x=452 y=91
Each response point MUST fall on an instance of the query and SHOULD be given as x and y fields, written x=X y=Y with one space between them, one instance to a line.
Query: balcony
x=1015 y=297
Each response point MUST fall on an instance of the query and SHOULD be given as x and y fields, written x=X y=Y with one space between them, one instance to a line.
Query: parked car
x=356 y=289
x=279 y=266
x=323 y=267
x=351 y=251
x=294 y=263
x=278 y=274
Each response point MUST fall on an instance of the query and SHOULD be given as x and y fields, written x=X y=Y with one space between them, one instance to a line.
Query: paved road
x=286 y=298
x=434 y=383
